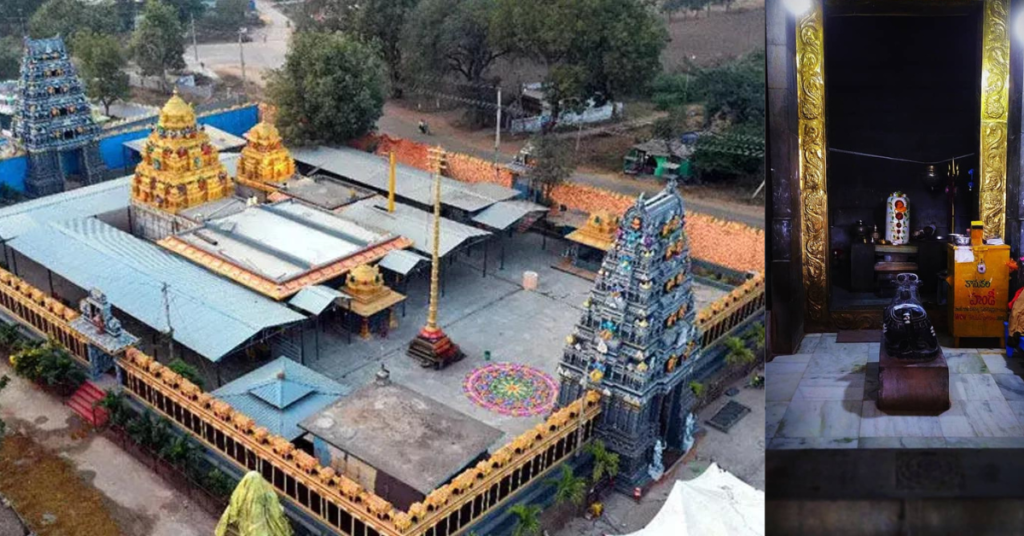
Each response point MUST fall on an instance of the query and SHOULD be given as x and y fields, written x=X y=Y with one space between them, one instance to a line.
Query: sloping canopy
x=83 y=202
x=315 y=298
x=401 y=261
x=716 y=503
x=504 y=214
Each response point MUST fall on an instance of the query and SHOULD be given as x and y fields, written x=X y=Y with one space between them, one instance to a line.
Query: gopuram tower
x=637 y=341
x=53 y=117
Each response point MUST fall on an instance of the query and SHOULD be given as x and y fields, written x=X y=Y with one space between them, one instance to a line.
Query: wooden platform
x=905 y=385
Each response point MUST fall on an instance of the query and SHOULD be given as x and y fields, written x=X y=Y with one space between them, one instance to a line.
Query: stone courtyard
x=480 y=314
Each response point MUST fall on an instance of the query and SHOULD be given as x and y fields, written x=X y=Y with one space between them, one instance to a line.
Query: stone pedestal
x=905 y=385
x=434 y=349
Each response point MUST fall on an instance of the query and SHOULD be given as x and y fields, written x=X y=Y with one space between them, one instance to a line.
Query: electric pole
x=241 y=57
x=497 y=130
x=195 y=46
x=167 y=313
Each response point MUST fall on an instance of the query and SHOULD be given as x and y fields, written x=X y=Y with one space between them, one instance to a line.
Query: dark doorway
x=899 y=88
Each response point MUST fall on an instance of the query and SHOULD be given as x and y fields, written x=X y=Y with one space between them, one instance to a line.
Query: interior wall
x=908 y=88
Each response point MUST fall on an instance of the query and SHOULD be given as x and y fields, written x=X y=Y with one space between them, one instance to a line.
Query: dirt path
x=48 y=434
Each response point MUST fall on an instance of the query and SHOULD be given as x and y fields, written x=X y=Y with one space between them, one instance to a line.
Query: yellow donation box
x=980 y=290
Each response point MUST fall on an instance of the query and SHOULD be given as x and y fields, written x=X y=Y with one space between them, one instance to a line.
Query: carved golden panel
x=995 y=99
x=810 y=79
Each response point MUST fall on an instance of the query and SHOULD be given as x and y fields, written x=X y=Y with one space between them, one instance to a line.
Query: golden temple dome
x=176 y=113
x=364 y=277
x=264 y=158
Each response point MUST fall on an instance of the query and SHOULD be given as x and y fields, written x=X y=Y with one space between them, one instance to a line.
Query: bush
x=186 y=371
x=218 y=483
x=48 y=364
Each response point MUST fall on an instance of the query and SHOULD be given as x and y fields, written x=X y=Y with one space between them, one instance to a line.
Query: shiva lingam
x=906 y=331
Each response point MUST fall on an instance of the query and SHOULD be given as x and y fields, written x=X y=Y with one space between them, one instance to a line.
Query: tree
x=606 y=462
x=181 y=452
x=14 y=16
x=228 y=14
x=158 y=43
x=102 y=62
x=734 y=91
x=591 y=48
x=697 y=388
x=453 y=37
x=331 y=89
x=739 y=354
x=10 y=58
x=118 y=413
x=186 y=9
x=254 y=510
x=553 y=162
x=759 y=339
x=569 y=488
x=374 y=22
x=527 y=519
x=186 y=371
x=68 y=17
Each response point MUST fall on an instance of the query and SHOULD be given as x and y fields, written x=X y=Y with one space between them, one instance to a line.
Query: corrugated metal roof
x=504 y=214
x=210 y=315
x=314 y=299
x=410 y=183
x=401 y=261
x=412 y=223
x=281 y=394
x=78 y=203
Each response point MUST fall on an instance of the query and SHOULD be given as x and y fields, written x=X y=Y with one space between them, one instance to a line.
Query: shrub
x=186 y=371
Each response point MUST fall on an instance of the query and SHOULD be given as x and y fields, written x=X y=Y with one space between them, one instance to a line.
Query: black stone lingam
x=906 y=331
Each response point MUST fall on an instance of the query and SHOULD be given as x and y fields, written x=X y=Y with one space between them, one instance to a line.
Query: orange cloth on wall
x=1016 y=314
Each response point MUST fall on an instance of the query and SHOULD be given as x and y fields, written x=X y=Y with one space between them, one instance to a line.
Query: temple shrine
x=371 y=301
x=638 y=340
x=591 y=242
x=264 y=159
x=180 y=168
x=52 y=118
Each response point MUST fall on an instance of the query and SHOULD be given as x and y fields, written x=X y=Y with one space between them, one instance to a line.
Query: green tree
x=68 y=17
x=374 y=22
x=186 y=371
x=228 y=14
x=331 y=89
x=181 y=452
x=759 y=338
x=10 y=58
x=102 y=62
x=10 y=336
x=554 y=162
x=158 y=43
x=739 y=354
x=606 y=462
x=734 y=91
x=14 y=16
x=118 y=413
x=445 y=37
x=569 y=488
x=697 y=388
x=186 y=9
x=591 y=48
x=218 y=483
x=527 y=519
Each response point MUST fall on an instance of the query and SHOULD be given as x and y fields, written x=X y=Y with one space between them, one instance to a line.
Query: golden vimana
x=180 y=168
x=264 y=158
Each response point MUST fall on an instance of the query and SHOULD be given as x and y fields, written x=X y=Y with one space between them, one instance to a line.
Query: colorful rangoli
x=511 y=389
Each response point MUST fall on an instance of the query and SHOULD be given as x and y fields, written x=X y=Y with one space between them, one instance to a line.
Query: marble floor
x=824 y=398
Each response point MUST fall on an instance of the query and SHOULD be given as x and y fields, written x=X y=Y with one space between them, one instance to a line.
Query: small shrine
x=52 y=115
x=104 y=332
x=180 y=168
x=373 y=303
x=592 y=241
x=265 y=160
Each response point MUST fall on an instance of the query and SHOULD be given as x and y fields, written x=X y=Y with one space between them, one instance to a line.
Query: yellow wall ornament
x=995 y=99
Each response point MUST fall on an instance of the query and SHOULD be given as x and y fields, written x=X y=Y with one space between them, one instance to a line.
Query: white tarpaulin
x=716 y=503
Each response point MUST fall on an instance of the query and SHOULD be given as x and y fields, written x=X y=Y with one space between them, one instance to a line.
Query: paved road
x=266 y=50
x=403 y=124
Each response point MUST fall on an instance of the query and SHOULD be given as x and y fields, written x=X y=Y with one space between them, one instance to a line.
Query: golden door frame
x=810 y=80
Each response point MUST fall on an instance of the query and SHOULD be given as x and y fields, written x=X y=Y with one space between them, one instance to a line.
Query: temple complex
x=638 y=339
x=53 y=117
x=180 y=168
x=264 y=160
x=371 y=301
